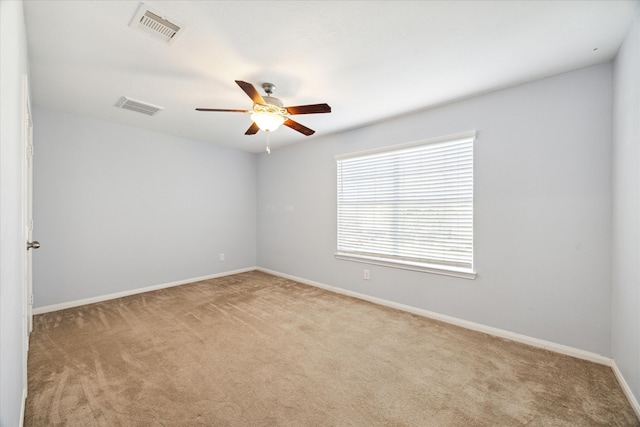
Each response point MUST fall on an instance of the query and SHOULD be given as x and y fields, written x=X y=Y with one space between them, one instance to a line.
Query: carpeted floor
x=258 y=350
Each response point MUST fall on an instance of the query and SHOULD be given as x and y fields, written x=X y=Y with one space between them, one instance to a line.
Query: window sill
x=406 y=265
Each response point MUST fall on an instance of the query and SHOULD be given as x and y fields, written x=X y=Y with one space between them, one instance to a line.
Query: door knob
x=33 y=245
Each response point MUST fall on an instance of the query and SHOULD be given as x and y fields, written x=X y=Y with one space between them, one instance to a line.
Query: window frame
x=391 y=261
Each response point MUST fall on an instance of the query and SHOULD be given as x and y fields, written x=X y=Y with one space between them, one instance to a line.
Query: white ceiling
x=369 y=60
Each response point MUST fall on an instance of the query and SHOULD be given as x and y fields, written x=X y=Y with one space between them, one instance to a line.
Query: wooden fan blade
x=297 y=126
x=253 y=129
x=309 y=109
x=251 y=91
x=220 y=109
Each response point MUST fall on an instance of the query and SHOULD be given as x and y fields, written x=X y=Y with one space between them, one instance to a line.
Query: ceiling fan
x=268 y=113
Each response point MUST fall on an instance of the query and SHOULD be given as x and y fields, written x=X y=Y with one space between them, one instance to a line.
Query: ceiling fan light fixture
x=267 y=121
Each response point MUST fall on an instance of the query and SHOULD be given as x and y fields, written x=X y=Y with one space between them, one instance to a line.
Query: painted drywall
x=118 y=208
x=626 y=211
x=13 y=68
x=542 y=215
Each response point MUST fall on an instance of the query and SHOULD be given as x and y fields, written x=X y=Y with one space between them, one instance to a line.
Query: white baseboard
x=92 y=300
x=535 y=342
x=626 y=389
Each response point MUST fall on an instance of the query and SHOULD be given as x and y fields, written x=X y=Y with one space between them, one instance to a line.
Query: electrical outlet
x=221 y=257
x=365 y=274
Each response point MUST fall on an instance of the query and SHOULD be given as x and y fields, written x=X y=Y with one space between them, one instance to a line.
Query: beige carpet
x=258 y=350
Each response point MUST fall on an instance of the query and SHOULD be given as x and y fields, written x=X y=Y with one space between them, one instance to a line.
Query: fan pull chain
x=268 y=142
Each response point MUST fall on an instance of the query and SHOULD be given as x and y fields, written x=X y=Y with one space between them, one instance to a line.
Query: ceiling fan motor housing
x=272 y=101
x=272 y=106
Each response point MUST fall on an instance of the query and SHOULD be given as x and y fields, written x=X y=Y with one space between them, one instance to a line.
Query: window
x=409 y=206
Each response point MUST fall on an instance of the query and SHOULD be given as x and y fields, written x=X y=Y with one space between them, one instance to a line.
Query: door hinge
x=30 y=150
x=31 y=300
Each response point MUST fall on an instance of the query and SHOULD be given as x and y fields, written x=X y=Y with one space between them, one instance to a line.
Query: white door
x=30 y=244
x=28 y=142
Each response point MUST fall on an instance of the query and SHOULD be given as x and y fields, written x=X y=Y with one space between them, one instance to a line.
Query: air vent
x=138 y=106
x=156 y=25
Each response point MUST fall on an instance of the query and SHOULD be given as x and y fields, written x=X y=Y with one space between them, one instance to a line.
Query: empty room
x=320 y=213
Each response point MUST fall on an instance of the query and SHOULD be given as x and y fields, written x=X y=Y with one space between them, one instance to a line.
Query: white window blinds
x=411 y=205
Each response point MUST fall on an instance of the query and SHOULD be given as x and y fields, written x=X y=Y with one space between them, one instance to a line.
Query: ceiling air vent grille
x=138 y=106
x=156 y=25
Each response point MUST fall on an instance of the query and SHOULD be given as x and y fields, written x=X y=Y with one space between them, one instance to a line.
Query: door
x=30 y=244
x=28 y=190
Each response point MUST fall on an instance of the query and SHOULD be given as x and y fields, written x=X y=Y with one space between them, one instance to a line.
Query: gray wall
x=118 y=208
x=626 y=210
x=542 y=211
x=13 y=65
